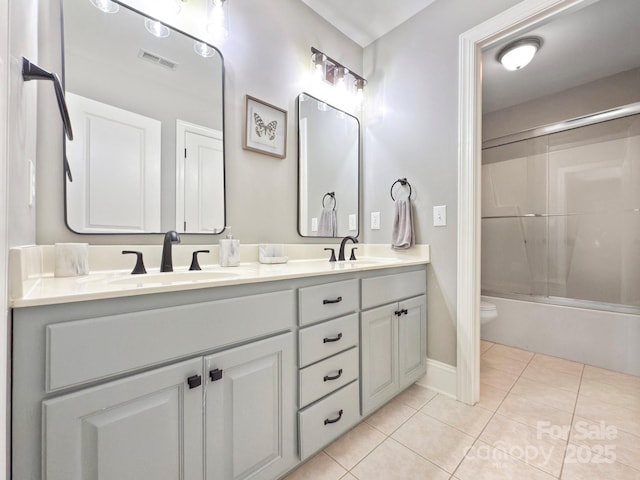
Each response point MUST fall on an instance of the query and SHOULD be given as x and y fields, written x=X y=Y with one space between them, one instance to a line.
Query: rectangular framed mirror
x=328 y=170
x=148 y=118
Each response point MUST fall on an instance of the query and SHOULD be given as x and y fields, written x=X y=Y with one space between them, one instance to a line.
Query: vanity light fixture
x=218 y=18
x=106 y=6
x=156 y=28
x=203 y=49
x=328 y=70
x=519 y=53
x=360 y=84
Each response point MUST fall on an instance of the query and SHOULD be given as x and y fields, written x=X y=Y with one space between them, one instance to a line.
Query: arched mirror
x=147 y=114
x=328 y=170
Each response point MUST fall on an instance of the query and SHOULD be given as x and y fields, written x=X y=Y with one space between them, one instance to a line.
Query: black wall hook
x=31 y=71
x=402 y=181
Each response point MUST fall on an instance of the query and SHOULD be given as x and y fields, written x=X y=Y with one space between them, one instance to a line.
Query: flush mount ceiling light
x=106 y=6
x=519 y=53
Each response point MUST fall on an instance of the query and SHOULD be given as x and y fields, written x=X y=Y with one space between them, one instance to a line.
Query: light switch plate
x=375 y=220
x=353 y=222
x=314 y=224
x=440 y=216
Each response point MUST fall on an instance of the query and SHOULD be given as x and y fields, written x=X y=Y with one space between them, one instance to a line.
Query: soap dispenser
x=229 y=250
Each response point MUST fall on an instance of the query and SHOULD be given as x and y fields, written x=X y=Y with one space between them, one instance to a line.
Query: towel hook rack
x=333 y=197
x=402 y=181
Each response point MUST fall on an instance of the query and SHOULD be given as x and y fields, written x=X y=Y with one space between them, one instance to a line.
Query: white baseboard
x=440 y=378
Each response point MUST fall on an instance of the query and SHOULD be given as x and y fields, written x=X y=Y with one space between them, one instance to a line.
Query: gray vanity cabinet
x=145 y=426
x=250 y=395
x=393 y=336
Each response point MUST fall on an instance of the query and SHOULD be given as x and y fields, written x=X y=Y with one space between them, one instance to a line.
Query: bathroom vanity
x=221 y=379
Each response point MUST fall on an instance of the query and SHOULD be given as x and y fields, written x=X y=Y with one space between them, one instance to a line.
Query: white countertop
x=32 y=282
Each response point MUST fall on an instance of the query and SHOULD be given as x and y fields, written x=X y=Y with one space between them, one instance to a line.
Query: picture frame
x=265 y=128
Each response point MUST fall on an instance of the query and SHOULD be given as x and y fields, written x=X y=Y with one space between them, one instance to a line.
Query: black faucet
x=166 y=264
x=342 y=244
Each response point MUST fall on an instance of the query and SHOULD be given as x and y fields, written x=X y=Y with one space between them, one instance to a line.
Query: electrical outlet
x=440 y=216
x=353 y=222
x=314 y=224
x=375 y=220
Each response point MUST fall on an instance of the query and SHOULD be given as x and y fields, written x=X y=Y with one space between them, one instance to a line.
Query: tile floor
x=539 y=417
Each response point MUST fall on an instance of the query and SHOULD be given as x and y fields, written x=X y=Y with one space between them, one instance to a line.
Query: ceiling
x=366 y=20
x=579 y=46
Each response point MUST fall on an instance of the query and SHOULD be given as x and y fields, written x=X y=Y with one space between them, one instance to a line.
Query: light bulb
x=106 y=6
x=203 y=49
x=156 y=28
x=218 y=21
x=341 y=78
x=360 y=84
x=318 y=61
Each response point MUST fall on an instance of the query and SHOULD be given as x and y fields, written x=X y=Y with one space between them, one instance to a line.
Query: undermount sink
x=169 y=278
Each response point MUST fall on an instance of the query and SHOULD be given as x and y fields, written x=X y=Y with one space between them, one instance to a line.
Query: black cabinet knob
x=194 y=381
x=215 y=375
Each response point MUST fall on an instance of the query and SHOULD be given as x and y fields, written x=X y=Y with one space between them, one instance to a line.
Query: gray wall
x=603 y=94
x=412 y=125
x=267 y=55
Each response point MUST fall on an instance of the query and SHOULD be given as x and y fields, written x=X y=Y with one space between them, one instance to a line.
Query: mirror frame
x=357 y=232
x=224 y=143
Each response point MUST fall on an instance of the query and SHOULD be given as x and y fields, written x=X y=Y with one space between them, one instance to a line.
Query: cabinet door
x=145 y=427
x=250 y=411
x=379 y=344
x=412 y=330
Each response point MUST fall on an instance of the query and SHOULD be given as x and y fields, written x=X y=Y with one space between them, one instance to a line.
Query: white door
x=200 y=179
x=250 y=411
x=412 y=336
x=116 y=184
x=379 y=363
x=145 y=427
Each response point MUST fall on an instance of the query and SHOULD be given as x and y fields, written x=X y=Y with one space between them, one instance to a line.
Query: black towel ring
x=333 y=197
x=402 y=181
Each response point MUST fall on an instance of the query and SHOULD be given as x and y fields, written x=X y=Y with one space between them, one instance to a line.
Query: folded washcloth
x=328 y=223
x=402 y=236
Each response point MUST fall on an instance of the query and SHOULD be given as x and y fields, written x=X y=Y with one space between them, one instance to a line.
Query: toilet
x=488 y=312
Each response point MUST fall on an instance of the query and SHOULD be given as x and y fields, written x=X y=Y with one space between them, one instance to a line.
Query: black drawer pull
x=335 y=377
x=404 y=311
x=337 y=300
x=334 y=339
x=215 y=375
x=327 y=421
x=194 y=381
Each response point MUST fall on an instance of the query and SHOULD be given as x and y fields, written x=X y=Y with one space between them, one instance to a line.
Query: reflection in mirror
x=329 y=170
x=148 y=155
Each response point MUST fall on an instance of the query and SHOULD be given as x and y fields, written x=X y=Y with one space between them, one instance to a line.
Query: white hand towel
x=328 y=223
x=402 y=236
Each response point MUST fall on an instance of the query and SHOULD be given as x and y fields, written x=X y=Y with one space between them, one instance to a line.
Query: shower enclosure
x=561 y=213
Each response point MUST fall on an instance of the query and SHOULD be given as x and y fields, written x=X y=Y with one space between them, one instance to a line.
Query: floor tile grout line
x=573 y=416
x=495 y=412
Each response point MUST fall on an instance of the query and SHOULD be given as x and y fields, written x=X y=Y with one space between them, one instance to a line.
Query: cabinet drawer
x=326 y=339
x=328 y=375
x=86 y=350
x=329 y=300
x=391 y=288
x=323 y=422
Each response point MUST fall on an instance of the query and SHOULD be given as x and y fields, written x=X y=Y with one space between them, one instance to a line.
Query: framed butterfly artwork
x=265 y=128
